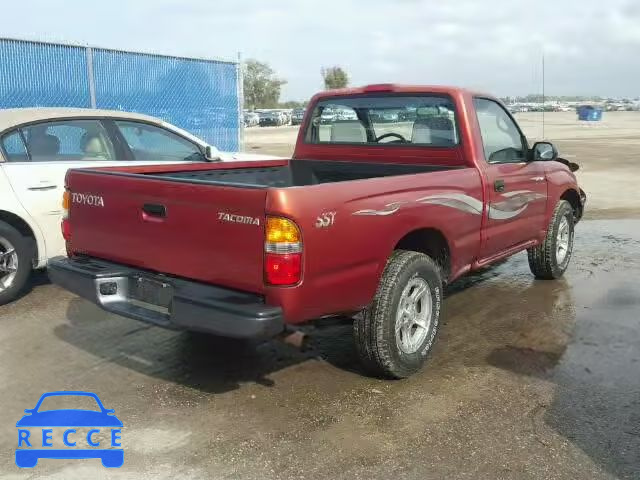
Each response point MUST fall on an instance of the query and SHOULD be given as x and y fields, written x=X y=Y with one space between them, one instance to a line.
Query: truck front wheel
x=396 y=332
x=550 y=259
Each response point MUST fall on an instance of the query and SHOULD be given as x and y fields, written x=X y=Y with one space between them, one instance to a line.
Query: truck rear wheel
x=396 y=332
x=16 y=262
x=550 y=259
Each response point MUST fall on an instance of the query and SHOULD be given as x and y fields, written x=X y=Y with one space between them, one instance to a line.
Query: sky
x=591 y=47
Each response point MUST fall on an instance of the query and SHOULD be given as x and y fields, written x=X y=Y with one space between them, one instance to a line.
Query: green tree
x=261 y=86
x=334 y=77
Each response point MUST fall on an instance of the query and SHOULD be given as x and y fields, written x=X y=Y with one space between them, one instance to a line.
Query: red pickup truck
x=392 y=192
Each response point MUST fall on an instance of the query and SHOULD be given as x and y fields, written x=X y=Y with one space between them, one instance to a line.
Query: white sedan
x=39 y=145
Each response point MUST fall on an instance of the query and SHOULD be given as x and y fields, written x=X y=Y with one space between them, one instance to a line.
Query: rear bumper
x=192 y=306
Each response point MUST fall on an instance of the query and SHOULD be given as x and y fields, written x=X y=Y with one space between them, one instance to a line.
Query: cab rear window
x=384 y=120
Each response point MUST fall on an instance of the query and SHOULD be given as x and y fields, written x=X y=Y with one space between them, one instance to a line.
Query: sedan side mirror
x=543 y=152
x=212 y=154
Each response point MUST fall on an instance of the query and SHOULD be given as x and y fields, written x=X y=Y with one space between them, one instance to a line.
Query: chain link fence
x=201 y=96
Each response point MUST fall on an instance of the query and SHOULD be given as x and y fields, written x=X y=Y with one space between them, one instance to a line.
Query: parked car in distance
x=345 y=114
x=328 y=115
x=384 y=115
x=286 y=117
x=39 y=145
x=367 y=218
x=270 y=118
x=251 y=119
x=297 y=116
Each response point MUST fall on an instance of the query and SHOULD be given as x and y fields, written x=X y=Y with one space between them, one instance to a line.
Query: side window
x=14 y=147
x=148 y=142
x=500 y=135
x=68 y=140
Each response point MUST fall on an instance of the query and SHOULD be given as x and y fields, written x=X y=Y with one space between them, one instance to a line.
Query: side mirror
x=28 y=410
x=212 y=154
x=543 y=152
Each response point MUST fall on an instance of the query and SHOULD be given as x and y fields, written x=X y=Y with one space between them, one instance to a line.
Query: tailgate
x=205 y=232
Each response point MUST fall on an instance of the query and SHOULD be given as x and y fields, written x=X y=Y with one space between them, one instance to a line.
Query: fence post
x=240 y=104
x=91 y=78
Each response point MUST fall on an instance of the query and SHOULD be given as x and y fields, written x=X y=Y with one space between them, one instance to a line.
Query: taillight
x=66 y=229
x=66 y=226
x=283 y=252
x=283 y=269
x=66 y=201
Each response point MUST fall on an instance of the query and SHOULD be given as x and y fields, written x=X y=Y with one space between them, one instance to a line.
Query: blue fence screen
x=201 y=96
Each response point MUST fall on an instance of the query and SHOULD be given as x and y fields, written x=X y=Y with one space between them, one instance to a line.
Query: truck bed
x=295 y=173
x=206 y=222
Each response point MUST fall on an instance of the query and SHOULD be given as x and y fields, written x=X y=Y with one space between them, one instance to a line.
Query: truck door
x=516 y=188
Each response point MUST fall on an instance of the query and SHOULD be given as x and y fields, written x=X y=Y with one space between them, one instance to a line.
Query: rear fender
x=13 y=213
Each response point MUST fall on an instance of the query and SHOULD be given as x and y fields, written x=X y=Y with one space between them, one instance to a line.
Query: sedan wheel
x=8 y=264
x=16 y=261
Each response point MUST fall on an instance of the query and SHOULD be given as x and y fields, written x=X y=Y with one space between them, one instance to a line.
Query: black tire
x=374 y=330
x=24 y=248
x=543 y=259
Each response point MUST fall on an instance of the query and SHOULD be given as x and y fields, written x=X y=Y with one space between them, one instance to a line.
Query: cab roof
x=397 y=88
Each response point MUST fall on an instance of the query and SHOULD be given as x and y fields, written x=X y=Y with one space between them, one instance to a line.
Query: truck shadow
x=204 y=362
x=199 y=361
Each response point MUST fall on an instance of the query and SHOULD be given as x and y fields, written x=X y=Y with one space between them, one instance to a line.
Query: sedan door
x=38 y=157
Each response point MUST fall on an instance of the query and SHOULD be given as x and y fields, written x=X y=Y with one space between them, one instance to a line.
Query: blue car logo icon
x=35 y=433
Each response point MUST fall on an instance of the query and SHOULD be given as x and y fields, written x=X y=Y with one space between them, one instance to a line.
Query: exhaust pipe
x=294 y=338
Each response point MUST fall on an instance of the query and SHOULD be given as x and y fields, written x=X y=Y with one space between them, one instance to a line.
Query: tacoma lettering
x=228 y=217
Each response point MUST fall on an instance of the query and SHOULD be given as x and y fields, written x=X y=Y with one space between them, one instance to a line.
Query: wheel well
x=573 y=198
x=23 y=227
x=430 y=242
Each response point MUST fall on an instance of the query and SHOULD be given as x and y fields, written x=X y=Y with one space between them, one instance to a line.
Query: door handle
x=498 y=185
x=154 y=210
x=42 y=187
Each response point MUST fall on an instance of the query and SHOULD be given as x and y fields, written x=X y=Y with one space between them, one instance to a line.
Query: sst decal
x=69 y=433
x=326 y=219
